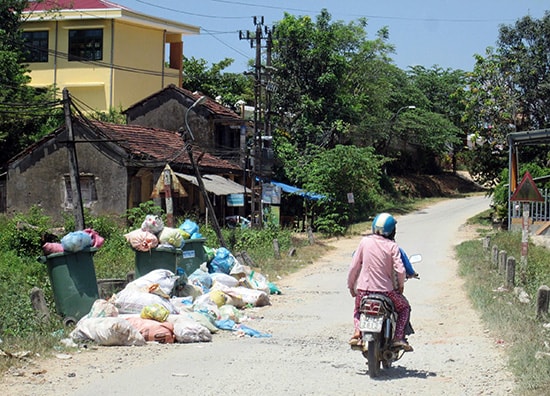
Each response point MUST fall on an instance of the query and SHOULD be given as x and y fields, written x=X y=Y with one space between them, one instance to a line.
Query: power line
x=190 y=13
x=286 y=9
x=227 y=45
x=114 y=66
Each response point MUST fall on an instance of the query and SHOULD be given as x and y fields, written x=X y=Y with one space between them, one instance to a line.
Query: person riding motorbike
x=377 y=267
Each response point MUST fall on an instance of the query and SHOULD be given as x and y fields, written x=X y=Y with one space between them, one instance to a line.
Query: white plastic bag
x=131 y=300
x=165 y=279
x=102 y=308
x=153 y=224
x=256 y=298
x=186 y=330
x=224 y=279
x=108 y=331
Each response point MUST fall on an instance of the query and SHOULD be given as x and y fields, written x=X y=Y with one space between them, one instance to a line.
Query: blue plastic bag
x=76 y=241
x=228 y=324
x=189 y=226
x=200 y=278
x=223 y=261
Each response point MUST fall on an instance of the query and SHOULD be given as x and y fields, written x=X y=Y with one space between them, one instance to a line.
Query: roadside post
x=526 y=193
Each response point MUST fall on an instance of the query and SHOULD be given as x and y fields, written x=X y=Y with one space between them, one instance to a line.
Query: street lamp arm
x=392 y=122
x=394 y=117
x=200 y=182
x=199 y=101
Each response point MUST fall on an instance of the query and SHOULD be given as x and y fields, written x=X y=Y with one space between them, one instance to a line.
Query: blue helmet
x=384 y=224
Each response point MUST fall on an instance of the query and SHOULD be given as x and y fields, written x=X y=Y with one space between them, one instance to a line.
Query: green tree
x=436 y=125
x=337 y=172
x=509 y=91
x=26 y=114
x=229 y=87
x=378 y=88
x=318 y=99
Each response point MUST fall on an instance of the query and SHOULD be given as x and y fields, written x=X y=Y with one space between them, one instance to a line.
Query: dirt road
x=310 y=323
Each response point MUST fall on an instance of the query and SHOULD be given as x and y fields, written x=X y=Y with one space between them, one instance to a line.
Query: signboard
x=527 y=190
x=271 y=194
x=235 y=200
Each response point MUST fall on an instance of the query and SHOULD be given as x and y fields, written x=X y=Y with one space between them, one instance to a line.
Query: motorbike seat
x=388 y=303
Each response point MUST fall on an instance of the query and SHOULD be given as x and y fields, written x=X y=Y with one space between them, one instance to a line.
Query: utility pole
x=188 y=135
x=73 y=164
x=260 y=115
x=204 y=193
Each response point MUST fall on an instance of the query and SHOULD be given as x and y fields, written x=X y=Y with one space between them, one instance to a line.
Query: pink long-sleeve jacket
x=376 y=265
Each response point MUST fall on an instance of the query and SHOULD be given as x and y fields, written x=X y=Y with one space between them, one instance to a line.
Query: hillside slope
x=442 y=185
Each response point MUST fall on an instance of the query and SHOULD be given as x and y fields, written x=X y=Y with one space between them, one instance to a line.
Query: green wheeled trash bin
x=192 y=255
x=74 y=283
x=157 y=258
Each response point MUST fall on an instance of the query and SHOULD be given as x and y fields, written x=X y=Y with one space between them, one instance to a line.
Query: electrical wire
x=286 y=9
x=190 y=13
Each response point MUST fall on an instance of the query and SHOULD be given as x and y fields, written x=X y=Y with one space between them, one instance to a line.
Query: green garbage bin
x=157 y=258
x=192 y=255
x=74 y=283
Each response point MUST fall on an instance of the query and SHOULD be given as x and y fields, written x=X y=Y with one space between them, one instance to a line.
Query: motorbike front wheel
x=373 y=354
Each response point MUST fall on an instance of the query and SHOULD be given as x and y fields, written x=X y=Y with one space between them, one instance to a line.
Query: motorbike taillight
x=372 y=307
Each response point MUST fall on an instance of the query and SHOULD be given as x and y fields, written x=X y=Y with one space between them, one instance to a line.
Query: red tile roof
x=216 y=109
x=159 y=145
x=213 y=106
x=72 y=5
x=143 y=144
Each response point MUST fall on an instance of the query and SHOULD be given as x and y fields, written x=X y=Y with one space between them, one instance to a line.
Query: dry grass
x=300 y=255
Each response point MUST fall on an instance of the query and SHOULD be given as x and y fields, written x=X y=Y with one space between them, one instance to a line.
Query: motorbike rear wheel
x=373 y=361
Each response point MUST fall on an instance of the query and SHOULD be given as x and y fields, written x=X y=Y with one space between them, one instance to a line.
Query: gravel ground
x=309 y=324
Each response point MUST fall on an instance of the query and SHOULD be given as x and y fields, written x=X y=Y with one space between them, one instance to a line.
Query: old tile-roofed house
x=119 y=166
x=216 y=128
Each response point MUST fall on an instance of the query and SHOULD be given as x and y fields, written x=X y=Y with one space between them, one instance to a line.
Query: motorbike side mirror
x=415 y=258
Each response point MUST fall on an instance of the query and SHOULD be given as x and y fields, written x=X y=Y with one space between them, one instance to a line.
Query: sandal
x=402 y=344
x=355 y=340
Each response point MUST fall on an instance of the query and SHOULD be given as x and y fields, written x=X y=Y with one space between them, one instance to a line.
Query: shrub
x=25 y=233
x=135 y=216
x=17 y=277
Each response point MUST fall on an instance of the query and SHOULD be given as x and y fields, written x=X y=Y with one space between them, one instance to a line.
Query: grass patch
x=508 y=319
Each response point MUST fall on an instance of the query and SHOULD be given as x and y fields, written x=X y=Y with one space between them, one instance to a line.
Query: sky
x=443 y=33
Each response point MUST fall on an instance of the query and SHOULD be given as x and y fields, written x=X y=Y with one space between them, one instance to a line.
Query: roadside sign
x=527 y=191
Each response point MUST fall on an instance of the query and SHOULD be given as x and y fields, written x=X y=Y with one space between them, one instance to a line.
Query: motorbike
x=377 y=325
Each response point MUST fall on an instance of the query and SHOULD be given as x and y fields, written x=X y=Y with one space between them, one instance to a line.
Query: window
x=85 y=44
x=36 y=44
x=87 y=191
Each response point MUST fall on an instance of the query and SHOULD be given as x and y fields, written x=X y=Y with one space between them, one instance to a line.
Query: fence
x=538 y=211
x=506 y=266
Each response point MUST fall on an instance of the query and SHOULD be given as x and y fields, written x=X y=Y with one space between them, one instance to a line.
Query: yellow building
x=106 y=55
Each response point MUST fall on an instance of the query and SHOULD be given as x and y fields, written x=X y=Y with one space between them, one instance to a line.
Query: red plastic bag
x=152 y=330
x=97 y=240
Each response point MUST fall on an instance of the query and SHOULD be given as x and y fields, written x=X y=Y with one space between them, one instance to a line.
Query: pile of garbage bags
x=166 y=307
x=153 y=233
x=152 y=309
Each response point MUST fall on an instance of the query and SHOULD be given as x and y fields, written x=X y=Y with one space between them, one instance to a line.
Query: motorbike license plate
x=371 y=323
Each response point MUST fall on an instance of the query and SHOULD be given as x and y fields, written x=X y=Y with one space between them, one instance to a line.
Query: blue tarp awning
x=298 y=191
